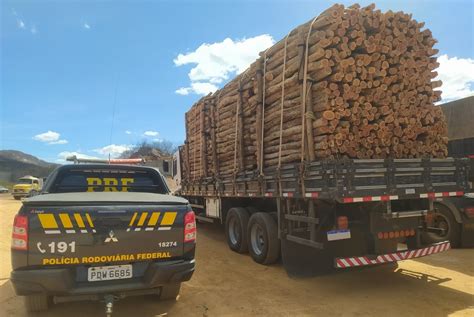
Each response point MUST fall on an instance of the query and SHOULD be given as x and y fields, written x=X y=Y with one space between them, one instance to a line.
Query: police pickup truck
x=102 y=232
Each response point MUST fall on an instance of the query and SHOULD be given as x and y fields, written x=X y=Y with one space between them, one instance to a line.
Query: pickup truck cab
x=102 y=232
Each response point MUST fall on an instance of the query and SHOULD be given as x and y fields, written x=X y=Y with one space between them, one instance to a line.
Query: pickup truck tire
x=236 y=229
x=262 y=237
x=35 y=303
x=170 y=292
x=17 y=197
x=443 y=218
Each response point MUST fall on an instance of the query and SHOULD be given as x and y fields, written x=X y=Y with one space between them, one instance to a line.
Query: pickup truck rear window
x=108 y=180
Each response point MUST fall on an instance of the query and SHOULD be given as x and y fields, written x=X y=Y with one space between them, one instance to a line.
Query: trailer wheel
x=34 y=303
x=170 y=292
x=443 y=219
x=236 y=229
x=262 y=236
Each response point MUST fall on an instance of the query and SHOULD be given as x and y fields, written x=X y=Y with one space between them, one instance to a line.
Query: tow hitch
x=109 y=304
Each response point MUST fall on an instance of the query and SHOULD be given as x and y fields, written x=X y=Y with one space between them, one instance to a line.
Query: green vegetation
x=6 y=184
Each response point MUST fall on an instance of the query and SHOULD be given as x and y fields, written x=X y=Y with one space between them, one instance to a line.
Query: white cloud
x=216 y=62
x=33 y=30
x=86 y=26
x=198 y=88
x=59 y=142
x=113 y=149
x=50 y=137
x=20 y=23
x=457 y=75
x=151 y=133
x=64 y=155
x=128 y=132
x=183 y=91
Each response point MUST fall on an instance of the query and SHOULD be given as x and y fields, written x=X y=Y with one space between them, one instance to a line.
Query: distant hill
x=15 y=164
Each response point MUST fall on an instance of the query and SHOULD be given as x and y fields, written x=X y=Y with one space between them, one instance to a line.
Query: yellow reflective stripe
x=65 y=220
x=133 y=219
x=48 y=221
x=79 y=221
x=168 y=218
x=153 y=219
x=142 y=219
x=89 y=220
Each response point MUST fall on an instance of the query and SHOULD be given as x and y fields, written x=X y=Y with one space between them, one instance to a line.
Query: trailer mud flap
x=304 y=261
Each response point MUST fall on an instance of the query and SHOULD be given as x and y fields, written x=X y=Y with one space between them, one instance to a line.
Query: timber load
x=352 y=83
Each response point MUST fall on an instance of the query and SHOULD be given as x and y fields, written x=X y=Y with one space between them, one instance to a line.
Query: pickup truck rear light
x=469 y=212
x=20 y=233
x=189 y=227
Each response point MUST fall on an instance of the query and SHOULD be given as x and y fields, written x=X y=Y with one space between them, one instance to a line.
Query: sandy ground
x=229 y=284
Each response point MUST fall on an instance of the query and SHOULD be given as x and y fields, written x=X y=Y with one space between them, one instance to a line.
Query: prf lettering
x=110 y=184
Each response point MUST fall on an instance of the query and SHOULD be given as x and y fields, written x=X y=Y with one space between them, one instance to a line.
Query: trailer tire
x=236 y=229
x=170 y=292
x=262 y=237
x=445 y=219
x=36 y=303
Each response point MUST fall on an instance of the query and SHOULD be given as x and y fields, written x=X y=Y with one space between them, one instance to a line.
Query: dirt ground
x=229 y=284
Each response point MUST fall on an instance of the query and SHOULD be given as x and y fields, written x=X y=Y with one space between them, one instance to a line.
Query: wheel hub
x=257 y=239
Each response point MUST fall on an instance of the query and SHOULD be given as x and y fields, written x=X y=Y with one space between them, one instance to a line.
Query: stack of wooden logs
x=367 y=81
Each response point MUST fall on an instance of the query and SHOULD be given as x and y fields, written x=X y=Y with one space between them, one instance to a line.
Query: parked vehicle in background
x=26 y=186
x=454 y=216
x=4 y=190
x=102 y=232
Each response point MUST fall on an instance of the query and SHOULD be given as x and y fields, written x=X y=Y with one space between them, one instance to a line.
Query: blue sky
x=63 y=63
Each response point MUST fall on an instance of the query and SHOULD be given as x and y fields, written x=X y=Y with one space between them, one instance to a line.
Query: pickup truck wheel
x=262 y=236
x=444 y=219
x=170 y=292
x=236 y=229
x=16 y=197
x=36 y=303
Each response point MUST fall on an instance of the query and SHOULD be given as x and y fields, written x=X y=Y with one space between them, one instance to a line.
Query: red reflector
x=342 y=223
x=20 y=233
x=380 y=235
x=385 y=198
x=367 y=198
x=459 y=193
x=348 y=200
x=431 y=195
x=469 y=211
x=189 y=227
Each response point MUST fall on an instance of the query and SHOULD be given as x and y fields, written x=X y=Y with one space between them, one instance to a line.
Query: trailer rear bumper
x=342 y=263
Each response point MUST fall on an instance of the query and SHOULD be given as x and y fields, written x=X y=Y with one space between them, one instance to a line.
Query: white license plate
x=107 y=273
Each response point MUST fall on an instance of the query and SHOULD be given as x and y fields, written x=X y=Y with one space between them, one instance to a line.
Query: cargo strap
x=237 y=113
x=282 y=99
x=282 y=106
x=303 y=102
x=263 y=111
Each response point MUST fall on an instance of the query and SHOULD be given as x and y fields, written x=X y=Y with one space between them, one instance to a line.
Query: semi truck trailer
x=328 y=150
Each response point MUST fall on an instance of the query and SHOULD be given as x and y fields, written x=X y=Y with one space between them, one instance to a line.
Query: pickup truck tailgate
x=79 y=234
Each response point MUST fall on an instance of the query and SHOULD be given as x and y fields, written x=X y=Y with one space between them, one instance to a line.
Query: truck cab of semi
x=26 y=186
